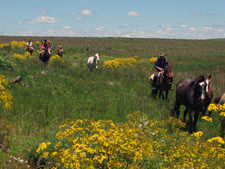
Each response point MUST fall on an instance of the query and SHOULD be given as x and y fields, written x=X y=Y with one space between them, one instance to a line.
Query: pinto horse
x=164 y=83
x=191 y=94
x=29 y=49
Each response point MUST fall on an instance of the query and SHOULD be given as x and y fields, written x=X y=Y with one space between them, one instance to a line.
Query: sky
x=170 y=19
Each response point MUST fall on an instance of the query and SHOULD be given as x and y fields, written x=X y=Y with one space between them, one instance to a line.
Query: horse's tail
x=217 y=99
x=151 y=79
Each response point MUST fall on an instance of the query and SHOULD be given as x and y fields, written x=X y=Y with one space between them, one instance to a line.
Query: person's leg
x=155 y=80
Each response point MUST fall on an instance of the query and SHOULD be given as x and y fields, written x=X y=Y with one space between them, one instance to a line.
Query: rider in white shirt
x=29 y=43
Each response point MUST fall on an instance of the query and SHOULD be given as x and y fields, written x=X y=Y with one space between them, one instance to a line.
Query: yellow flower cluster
x=153 y=59
x=5 y=94
x=3 y=45
x=55 y=58
x=37 y=43
x=21 y=44
x=216 y=107
x=207 y=118
x=26 y=56
x=119 y=62
x=139 y=143
x=42 y=146
x=218 y=139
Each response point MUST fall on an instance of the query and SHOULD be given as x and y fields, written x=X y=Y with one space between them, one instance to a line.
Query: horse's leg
x=167 y=93
x=162 y=94
x=191 y=120
x=177 y=109
x=196 y=117
x=185 y=114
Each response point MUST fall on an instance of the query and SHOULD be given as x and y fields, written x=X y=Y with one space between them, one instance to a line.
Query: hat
x=162 y=54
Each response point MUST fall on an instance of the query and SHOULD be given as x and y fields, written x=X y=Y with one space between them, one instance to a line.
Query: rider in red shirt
x=46 y=45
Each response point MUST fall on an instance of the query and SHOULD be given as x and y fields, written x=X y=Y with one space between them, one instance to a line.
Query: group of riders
x=160 y=63
x=44 y=46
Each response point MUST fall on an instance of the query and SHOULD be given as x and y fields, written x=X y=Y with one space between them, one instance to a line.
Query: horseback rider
x=29 y=45
x=46 y=45
x=60 y=49
x=160 y=64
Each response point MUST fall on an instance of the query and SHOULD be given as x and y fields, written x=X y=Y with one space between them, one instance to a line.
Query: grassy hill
x=70 y=91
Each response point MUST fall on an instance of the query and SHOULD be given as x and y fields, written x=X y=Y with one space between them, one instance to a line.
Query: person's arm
x=157 y=67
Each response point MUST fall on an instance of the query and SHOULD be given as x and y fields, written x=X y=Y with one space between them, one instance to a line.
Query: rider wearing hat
x=160 y=64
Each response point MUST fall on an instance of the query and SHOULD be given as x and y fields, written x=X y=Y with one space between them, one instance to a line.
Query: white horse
x=92 y=62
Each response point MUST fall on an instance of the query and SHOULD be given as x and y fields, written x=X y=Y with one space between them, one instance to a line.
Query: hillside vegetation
x=96 y=116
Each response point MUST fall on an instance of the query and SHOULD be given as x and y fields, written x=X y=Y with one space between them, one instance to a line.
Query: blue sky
x=174 y=19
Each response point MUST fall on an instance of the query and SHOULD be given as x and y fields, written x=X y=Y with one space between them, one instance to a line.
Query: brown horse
x=29 y=49
x=44 y=55
x=59 y=51
x=164 y=83
x=191 y=94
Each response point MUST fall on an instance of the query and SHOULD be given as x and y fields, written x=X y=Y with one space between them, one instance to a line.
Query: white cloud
x=142 y=20
x=195 y=14
x=79 y=19
x=193 y=29
x=100 y=28
x=66 y=27
x=26 y=33
x=183 y=26
x=87 y=12
x=42 y=19
x=205 y=28
x=132 y=13
x=169 y=29
x=126 y=36
x=211 y=14
x=43 y=12
x=220 y=30
x=166 y=26
x=72 y=13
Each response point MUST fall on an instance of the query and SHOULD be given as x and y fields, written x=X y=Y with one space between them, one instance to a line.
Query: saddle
x=151 y=78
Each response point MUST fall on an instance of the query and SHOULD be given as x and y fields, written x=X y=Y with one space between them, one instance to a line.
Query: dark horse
x=191 y=94
x=221 y=100
x=164 y=83
x=29 y=49
x=45 y=56
x=208 y=99
x=59 y=52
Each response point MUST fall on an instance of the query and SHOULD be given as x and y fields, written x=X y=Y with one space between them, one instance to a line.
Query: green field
x=70 y=91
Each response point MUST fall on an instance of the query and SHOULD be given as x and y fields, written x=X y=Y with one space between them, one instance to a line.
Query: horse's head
x=208 y=83
x=97 y=57
x=168 y=71
x=200 y=87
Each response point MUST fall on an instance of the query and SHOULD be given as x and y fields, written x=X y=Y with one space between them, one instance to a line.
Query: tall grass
x=69 y=90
